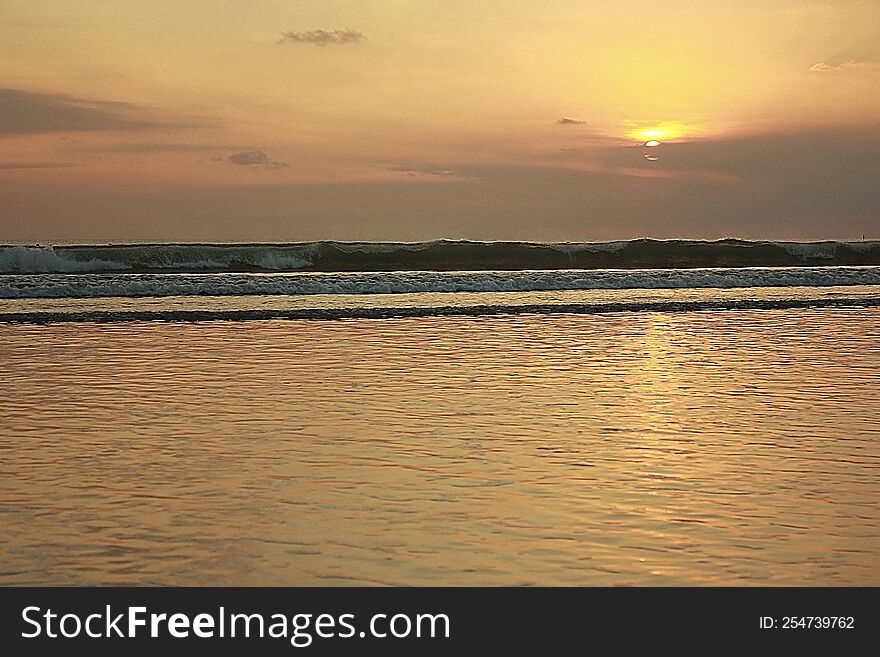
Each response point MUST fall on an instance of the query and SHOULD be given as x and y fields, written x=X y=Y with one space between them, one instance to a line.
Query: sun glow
x=659 y=132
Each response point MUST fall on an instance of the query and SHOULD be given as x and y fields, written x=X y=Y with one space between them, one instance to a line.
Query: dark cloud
x=813 y=184
x=256 y=159
x=249 y=157
x=6 y=166
x=809 y=159
x=322 y=37
x=27 y=112
x=569 y=121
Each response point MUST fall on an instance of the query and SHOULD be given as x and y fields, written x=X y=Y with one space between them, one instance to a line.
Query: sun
x=658 y=132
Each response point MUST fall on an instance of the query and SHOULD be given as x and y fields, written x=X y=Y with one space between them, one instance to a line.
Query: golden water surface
x=723 y=447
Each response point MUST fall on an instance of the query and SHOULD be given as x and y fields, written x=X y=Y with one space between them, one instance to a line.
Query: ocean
x=430 y=414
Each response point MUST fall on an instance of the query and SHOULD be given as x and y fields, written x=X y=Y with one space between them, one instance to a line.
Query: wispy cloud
x=861 y=58
x=7 y=166
x=160 y=147
x=323 y=37
x=27 y=112
x=424 y=170
x=565 y=120
x=257 y=159
x=850 y=65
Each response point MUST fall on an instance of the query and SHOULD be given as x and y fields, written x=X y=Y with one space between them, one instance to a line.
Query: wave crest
x=440 y=255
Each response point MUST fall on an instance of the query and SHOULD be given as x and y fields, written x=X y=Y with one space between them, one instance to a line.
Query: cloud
x=850 y=65
x=424 y=170
x=160 y=148
x=6 y=166
x=257 y=159
x=249 y=157
x=818 y=159
x=861 y=58
x=28 y=112
x=322 y=37
x=816 y=184
x=569 y=121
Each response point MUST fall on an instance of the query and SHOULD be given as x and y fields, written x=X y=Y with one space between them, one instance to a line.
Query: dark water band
x=438 y=311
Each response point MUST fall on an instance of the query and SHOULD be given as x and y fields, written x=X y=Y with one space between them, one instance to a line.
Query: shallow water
x=715 y=447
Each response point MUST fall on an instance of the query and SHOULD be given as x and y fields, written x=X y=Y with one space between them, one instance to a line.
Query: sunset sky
x=408 y=120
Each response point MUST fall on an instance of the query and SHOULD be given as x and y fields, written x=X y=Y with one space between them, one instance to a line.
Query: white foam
x=383 y=247
x=811 y=251
x=159 y=285
x=21 y=259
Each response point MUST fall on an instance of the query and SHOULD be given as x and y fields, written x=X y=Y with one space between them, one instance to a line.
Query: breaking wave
x=440 y=255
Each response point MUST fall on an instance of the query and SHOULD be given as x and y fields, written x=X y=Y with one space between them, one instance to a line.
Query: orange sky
x=278 y=120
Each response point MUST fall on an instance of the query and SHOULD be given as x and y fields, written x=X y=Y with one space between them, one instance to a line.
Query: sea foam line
x=48 y=286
